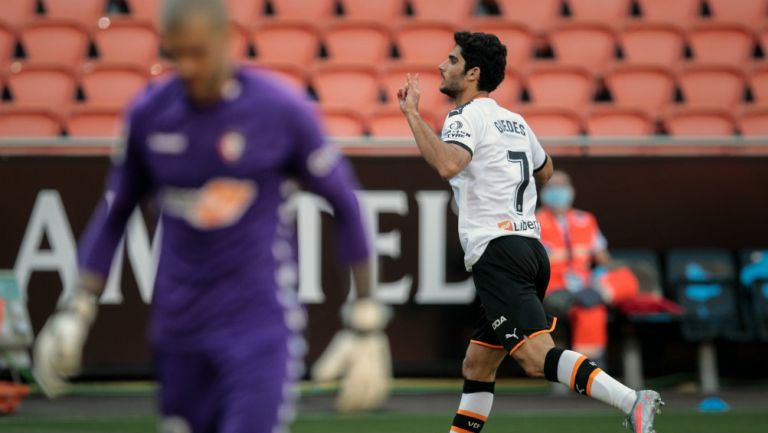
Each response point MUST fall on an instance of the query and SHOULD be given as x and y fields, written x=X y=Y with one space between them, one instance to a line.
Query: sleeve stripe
x=546 y=158
x=458 y=143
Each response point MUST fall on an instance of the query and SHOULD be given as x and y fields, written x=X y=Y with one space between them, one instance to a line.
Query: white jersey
x=496 y=192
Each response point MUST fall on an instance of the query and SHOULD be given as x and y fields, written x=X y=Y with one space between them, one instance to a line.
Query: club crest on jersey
x=231 y=146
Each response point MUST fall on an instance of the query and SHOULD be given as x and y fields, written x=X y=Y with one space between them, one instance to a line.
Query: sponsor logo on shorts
x=512 y=335
x=496 y=323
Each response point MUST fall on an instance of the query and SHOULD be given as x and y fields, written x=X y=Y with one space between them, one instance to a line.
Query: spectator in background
x=574 y=244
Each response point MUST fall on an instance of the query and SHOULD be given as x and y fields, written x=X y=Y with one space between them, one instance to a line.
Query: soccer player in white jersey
x=494 y=163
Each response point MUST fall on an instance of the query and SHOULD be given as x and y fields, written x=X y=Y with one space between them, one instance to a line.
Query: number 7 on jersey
x=520 y=159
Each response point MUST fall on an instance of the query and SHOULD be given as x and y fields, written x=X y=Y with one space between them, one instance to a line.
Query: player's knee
x=473 y=368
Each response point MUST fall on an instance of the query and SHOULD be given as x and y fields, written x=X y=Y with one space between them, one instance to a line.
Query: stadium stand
x=647 y=87
x=518 y=38
x=17 y=13
x=617 y=122
x=55 y=41
x=112 y=86
x=239 y=41
x=313 y=11
x=590 y=45
x=347 y=86
x=758 y=81
x=93 y=122
x=721 y=43
x=86 y=12
x=386 y=11
x=679 y=12
x=652 y=43
x=343 y=122
x=128 y=42
x=246 y=12
x=508 y=92
x=752 y=12
x=614 y=13
x=563 y=86
x=712 y=86
x=424 y=41
x=272 y=37
x=7 y=46
x=753 y=122
x=389 y=122
x=455 y=11
x=289 y=72
x=555 y=122
x=51 y=87
x=145 y=10
x=29 y=122
x=700 y=122
x=540 y=15
x=358 y=41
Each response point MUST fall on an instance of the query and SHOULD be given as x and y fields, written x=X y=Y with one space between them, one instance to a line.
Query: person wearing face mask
x=574 y=242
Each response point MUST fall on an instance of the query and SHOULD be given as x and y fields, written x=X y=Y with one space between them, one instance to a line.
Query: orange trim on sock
x=480 y=343
x=590 y=380
x=576 y=369
x=535 y=334
x=459 y=430
x=471 y=414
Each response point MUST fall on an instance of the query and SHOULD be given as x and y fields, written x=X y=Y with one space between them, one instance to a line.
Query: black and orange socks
x=475 y=405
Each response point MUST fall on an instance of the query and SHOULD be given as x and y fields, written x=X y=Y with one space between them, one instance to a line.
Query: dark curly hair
x=485 y=51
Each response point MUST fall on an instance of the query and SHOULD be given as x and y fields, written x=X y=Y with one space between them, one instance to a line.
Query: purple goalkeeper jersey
x=222 y=175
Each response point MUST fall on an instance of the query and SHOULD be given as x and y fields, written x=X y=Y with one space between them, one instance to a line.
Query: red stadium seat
x=552 y=122
x=619 y=122
x=358 y=41
x=51 y=87
x=508 y=93
x=393 y=78
x=389 y=122
x=347 y=86
x=424 y=41
x=721 y=43
x=341 y=122
x=146 y=10
x=87 y=12
x=94 y=122
x=753 y=122
x=712 y=86
x=55 y=41
x=758 y=81
x=560 y=86
x=589 y=45
x=29 y=122
x=518 y=39
x=287 y=72
x=286 y=41
x=386 y=11
x=700 y=122
x=539 y=15
x=652 y=43
x=314 y=11
x=680 y=12
x=127 y=41
x=112 y=86
x=454 y=12
x=751 y=12
x=17 y=13
x=614 y=12
x=7 y=46
x=647 y=87
x=245 y=12
x=763 y=35
x=238 y=42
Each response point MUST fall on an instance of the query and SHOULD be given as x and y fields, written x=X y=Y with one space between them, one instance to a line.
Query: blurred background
x=657 y=109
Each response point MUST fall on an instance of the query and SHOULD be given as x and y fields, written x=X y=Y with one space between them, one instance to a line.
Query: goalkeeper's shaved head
x=177 y=13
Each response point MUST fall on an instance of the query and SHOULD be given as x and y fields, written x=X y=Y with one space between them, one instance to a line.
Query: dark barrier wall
x=640 y=202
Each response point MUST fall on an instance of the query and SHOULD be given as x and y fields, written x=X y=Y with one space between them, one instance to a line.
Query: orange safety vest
x=577 y=258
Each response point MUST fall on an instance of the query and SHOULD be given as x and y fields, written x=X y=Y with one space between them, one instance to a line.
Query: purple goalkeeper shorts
x=243 y=386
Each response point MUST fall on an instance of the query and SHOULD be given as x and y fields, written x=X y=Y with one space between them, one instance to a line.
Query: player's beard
x=450 y=91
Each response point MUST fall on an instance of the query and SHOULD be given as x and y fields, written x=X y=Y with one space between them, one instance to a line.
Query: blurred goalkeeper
x=218 y=147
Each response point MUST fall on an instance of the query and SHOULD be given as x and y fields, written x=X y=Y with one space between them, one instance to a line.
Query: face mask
x=559 y=197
